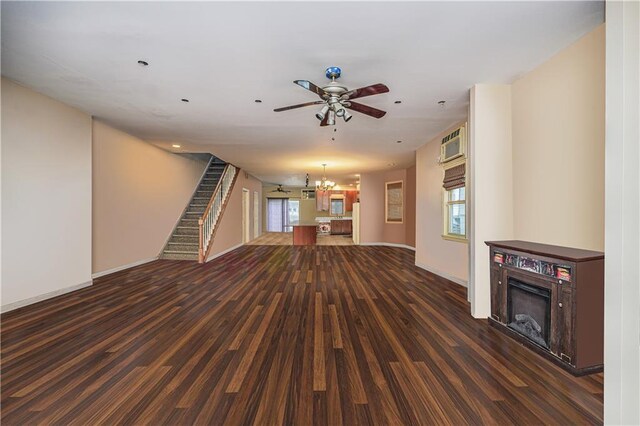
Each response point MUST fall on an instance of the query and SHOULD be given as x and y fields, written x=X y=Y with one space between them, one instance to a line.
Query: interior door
x=246 y=236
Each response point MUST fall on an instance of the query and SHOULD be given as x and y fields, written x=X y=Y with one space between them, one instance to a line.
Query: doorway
x=246 y=236
x=277 y=214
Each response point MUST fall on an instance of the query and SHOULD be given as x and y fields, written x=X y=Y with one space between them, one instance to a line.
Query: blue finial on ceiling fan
x=333 y=73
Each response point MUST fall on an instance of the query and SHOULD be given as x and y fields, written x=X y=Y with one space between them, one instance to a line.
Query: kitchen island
x=304 y=233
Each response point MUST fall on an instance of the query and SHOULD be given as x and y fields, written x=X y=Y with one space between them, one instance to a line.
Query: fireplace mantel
x=574 y=278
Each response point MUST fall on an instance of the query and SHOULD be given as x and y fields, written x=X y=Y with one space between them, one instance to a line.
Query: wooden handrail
x=208 y=222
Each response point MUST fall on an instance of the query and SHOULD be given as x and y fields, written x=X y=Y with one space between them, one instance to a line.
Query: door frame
x=256 y=214
x=246 y=204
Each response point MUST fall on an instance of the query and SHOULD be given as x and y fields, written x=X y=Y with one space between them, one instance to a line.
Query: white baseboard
x=123 y=267
x=213 y=256
x=404 y=246
x=19 y=304
x=444 y=275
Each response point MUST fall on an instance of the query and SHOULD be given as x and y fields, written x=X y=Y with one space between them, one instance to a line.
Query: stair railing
x=209 y=220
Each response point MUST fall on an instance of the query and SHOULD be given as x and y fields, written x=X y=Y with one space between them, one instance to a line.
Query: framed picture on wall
x=394 y=202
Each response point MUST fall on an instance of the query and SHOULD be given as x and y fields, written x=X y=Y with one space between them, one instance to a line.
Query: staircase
x=184 y=241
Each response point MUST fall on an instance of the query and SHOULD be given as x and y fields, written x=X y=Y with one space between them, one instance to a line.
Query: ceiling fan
x=281 y=189
x=337 y=99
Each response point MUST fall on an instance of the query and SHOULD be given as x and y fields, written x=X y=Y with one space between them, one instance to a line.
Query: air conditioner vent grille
x=451 y=136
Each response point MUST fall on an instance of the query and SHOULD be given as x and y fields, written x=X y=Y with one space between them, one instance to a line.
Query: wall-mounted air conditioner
x=453 y=145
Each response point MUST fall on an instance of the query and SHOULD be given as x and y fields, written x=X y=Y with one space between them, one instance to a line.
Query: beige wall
x=558 y=147
x=139 y=193
x=373 y=228
x=229 y=234
x=443 y=257
x=537 y=158
x=46 y=196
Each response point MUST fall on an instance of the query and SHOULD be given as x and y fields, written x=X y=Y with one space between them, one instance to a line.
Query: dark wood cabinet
x=350 y=197
x=341 y=227
x=572 y=284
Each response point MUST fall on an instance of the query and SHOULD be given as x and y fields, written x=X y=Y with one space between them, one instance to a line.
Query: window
x=393 y=202
x=455 y=203
x=455 y=212
x=337 y=206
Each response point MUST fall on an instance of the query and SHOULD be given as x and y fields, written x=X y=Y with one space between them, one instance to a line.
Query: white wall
x=490 y=169
x=46 y=196
x=449 y=259
x=622 y=233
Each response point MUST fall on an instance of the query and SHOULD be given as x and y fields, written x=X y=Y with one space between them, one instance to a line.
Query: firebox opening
x=529 y=311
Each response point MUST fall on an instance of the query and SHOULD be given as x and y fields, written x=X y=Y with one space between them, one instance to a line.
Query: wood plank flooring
x=270 y=335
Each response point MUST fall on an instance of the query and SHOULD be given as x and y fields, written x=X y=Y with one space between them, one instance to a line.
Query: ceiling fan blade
x=364 y=109
x=287 y=108
x=325 y=120
x=312 y=88
x=374 y=89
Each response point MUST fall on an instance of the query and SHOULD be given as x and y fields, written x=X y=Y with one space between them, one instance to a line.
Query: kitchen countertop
x=303 y=223
x=329 y=219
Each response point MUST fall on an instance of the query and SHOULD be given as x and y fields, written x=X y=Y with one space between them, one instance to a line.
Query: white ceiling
x=222 y=56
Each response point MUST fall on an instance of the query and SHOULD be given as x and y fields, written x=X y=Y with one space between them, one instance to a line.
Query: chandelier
x=324 y=184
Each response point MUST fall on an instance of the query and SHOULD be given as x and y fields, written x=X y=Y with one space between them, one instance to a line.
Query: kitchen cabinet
x=341 y=227
x=350 y=197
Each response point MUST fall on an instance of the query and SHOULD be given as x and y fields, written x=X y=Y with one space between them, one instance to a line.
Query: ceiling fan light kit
x=337 y=99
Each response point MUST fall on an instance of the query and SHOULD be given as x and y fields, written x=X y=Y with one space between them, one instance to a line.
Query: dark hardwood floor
x=278 y=335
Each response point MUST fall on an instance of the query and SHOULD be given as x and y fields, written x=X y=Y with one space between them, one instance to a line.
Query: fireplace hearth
x=550 y=299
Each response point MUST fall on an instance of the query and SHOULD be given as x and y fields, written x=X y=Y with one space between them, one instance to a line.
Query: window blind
x=454 y=177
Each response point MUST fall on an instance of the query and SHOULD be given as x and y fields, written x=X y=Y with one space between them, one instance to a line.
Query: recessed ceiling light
x=175 y=145
x=391 y=164
x=258 y=101
x=143 y=63
x=441 y=103
x=184 y=100
x=397 y=102
x=398 y=141
x=350 y=184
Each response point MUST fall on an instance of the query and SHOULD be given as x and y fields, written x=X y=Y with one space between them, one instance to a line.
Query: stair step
x=186 y=231
x=204 y=194
x=191 y=223
x=196 y=208
x=200 y=200
x=179 y=256
x=185 y=239
x=181 y=247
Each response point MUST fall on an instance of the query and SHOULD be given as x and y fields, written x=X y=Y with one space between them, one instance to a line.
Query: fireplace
x=535 y=300
x=529 y=311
